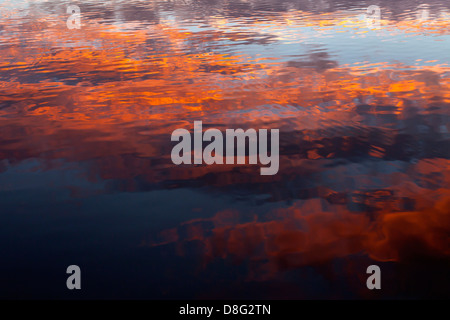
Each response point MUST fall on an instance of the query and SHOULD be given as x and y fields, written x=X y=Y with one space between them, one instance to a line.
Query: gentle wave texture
x=86 y=177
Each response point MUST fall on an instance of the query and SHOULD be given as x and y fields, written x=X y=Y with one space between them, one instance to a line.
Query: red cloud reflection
x=314 y=232
x=115 y=108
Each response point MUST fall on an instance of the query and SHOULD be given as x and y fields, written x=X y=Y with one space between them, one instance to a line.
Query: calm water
x=86 y=176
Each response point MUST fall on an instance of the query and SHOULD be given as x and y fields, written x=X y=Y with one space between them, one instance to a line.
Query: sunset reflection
x=86 y=117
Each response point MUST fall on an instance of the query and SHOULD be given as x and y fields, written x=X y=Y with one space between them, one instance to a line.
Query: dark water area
x=86 y=177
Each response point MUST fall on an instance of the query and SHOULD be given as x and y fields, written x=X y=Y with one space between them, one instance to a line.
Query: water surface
x=86 y=177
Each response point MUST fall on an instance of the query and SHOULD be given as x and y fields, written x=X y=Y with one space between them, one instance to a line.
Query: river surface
x=362 y=101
